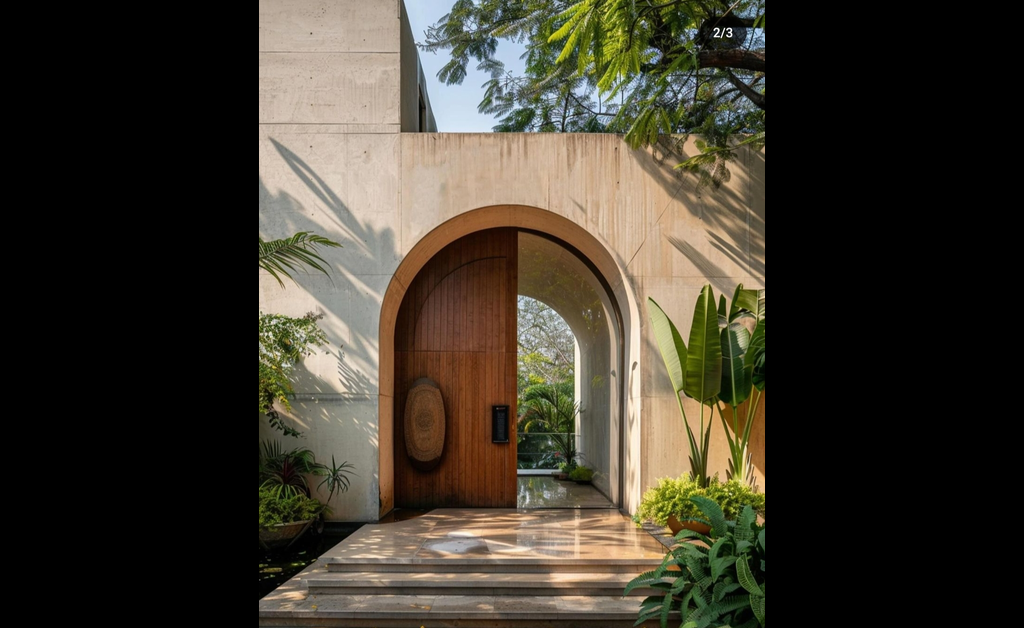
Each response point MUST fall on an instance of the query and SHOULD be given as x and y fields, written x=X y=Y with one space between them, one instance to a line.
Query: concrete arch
x=604 y=266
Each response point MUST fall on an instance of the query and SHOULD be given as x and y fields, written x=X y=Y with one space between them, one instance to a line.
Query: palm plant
x=283 y=473
x=336 y=477
x=280 y=258
x=553 y=409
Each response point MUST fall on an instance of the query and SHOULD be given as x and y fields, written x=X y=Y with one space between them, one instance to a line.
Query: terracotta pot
x=678 y=526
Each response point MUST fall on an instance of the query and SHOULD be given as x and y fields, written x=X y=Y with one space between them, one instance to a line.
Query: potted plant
x=287 y=509
x=582 y=475
x=283 y=520
x=670 y=502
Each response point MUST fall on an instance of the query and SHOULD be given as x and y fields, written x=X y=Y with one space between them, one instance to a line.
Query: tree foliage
x=284 y=342
x=646 y=68
x=547 y=353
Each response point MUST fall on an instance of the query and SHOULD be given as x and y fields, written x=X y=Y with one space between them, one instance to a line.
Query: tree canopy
x=547 y=352
x=645 y=68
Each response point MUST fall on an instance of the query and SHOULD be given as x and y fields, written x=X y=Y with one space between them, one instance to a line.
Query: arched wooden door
x=457 y=326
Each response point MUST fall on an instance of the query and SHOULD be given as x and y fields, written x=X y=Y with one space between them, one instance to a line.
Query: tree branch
x=746 y=90
x=739 y=59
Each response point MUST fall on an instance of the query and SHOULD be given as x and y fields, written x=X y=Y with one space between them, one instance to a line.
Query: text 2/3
x=722 y=33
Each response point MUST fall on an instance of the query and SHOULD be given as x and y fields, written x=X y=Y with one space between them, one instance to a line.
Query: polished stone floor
x=501 y=535
x=547 y=492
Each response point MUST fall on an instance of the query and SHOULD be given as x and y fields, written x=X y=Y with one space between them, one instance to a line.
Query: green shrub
x=275 y=510
x=673 y=497
x=582 y=474
x=718 y=582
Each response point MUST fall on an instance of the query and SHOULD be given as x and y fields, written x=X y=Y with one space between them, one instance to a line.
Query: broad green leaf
x=670 y=342
x=747 y=579
x=754 y=359
x=750 y=300
x=736 y=377
x=703 y=379
x=759 y=23
x=757 y=605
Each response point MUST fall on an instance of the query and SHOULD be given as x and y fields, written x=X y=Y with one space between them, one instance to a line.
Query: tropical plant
x=553 y=409
x=742 y=378
x=715 y=370
x=280 y=258
x=757 y=358
x=283 y=473
x=277 y=510
x=719 y=582
x=695 y=370
x=336 y=478
x=284 y=341
x=672 y=498
x=582 y=474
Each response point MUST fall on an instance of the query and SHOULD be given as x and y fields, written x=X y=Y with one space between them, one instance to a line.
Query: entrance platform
x=475 y=568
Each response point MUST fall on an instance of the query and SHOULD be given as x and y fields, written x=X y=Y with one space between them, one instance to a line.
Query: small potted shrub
x=582 y=475
x=669 y=503
x=286 y=508
x=283 y=520
x=565 y=470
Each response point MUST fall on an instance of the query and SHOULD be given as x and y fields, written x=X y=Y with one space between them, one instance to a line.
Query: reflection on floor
x=537 y=492
x=490 y=535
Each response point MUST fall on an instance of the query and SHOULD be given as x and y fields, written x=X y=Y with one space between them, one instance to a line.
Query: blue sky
x=455 y=106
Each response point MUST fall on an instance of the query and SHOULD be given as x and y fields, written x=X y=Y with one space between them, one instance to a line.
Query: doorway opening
x=567 y=427
x=450 y=325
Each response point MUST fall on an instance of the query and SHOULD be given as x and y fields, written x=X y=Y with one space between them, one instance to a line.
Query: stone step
x=392 y=611
x=475 y=584
x=633 y=566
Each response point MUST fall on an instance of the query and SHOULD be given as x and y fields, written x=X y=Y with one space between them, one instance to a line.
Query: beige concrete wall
x=329 y=153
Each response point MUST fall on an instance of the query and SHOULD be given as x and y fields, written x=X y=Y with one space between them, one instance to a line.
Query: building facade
x=442 y=231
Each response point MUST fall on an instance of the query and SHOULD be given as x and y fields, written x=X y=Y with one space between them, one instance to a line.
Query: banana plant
x=695 y=371
x=743 y=378
x=718 y=369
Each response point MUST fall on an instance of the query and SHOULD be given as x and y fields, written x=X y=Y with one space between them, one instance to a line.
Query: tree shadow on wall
x=355 y=286
x=733 y=227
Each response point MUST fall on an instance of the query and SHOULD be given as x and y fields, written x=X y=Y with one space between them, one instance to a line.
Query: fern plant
x=718 y=582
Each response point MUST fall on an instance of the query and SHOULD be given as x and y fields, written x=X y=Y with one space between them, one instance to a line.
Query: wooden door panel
x=457 y=326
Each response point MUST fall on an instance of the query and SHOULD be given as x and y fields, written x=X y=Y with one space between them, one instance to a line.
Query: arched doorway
x=460 y=284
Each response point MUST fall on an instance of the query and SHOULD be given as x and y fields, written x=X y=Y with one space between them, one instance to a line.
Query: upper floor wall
x=349 y=65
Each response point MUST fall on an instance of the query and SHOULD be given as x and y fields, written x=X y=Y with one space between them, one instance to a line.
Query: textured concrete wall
x=329 y=153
